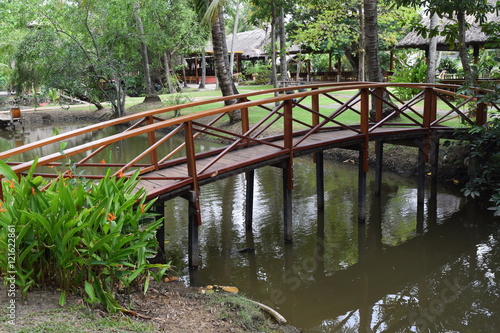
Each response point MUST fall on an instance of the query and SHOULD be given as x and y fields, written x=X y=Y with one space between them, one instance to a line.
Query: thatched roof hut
x=250 y=44
x=474 y=36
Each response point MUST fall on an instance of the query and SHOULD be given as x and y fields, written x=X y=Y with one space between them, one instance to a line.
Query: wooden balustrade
x=148 y=123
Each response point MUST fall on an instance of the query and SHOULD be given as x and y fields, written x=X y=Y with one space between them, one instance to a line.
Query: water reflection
x=409 y=268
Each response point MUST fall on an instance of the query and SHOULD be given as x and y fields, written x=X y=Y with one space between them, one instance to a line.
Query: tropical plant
x=260 y=71
x=409 y=74
x=449 y=65
x=53 y=95
x=213 y=13
x=77 y=235
x=485 y=155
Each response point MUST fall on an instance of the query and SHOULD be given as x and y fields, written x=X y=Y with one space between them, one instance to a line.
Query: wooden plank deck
x=175 y=179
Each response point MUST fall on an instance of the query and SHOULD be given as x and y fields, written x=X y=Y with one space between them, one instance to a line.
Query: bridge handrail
x=243 y=103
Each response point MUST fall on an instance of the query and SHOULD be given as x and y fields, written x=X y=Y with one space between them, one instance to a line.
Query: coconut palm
x=213 y=10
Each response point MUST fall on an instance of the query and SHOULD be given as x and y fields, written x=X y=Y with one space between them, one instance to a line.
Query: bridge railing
x=365 y=108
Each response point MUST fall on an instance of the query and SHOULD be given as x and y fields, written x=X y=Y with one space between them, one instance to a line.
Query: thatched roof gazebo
x=474 y=37
x=248 y=46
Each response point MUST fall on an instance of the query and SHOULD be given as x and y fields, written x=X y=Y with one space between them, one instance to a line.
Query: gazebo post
x=476 y=54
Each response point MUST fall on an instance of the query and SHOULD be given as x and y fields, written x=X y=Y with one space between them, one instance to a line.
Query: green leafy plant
x=261 y=72
x=77 y=235
x=177 y=99
x=53 y=95
x=413 y=74
x=450 y=65
x=485 y=154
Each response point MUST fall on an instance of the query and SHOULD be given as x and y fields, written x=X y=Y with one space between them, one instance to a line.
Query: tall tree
x=282 y=37
x=171 y=30
x=151 y=94
x=372 y=41
x=235 y=30
x=214 y=14
x=265 y=12
x=337 y=27
x=432 y=58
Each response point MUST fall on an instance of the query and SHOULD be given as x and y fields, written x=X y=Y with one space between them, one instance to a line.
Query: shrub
x=260 y=71
x=77 y=235
x=485 y=153
x=449 y=65
x=415 y=74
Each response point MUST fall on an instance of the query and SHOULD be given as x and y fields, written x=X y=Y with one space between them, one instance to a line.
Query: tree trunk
x=462 y=49
x=372 y=44
x=166 y=59
x=222 y=64
x=220 y=57
x=432 y=60
x=282 y=36
x=235 y=30
x=372 y=53
x=203 y=70
x=274 y=79
x=151 y=94
x=119 y=101
x=184 y=78
x=362 y=46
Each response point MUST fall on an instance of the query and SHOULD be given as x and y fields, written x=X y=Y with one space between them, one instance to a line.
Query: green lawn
x=327 y=105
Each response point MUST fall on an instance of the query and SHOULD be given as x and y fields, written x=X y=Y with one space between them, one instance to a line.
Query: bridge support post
x=320 y=181
x=250 y=180
x=379 y=151
x=193 y=239
x=361 y=186
x=159 y=208
x=421 y=175
x=287 y=202
x=434 y=159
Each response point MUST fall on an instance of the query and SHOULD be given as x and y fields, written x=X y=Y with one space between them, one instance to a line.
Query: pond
x=409 y=268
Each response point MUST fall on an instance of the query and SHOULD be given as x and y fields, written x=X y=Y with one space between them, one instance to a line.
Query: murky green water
x=406 y=270
x=433 y=269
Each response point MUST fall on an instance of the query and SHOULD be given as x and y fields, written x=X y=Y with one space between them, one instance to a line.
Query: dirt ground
x=174 y=309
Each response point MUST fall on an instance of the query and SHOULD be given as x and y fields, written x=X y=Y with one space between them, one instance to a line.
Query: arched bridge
x=308 y=121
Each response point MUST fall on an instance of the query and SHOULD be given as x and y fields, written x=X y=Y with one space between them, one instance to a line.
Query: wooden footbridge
x=317 y=118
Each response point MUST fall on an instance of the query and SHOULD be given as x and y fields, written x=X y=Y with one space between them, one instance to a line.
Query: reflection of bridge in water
x=306 y=281
x=308 y=127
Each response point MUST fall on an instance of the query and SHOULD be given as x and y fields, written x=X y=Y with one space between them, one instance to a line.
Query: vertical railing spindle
x=151 y=142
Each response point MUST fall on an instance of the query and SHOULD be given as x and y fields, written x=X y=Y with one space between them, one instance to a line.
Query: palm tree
x=372 y=44
x=214 y=15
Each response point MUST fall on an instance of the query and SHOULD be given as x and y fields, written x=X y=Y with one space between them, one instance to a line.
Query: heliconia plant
x=78 y=235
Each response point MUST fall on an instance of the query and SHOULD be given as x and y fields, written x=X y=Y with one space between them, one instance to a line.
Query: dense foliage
x=409 y=74
x=485 y=155
x=96 y=50
x=76 y=236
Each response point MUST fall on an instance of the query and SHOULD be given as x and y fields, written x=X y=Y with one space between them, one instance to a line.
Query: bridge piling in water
x=320 y=181
x=379 y=151
x=250 y=185
x=361 y=186
x=287 y=202
x=421 y=176
x=193 y=226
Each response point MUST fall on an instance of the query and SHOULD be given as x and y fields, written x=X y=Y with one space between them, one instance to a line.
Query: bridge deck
x=169 y=181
